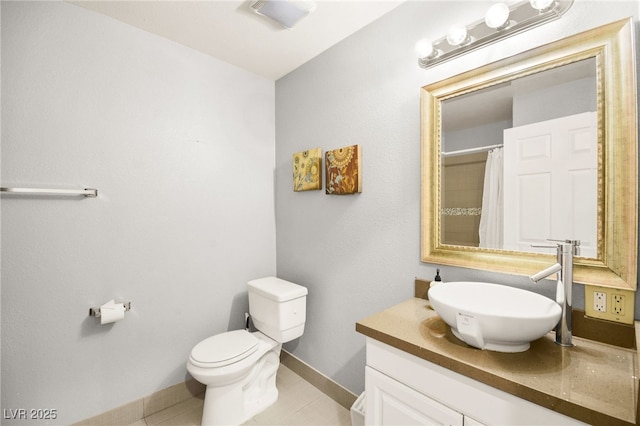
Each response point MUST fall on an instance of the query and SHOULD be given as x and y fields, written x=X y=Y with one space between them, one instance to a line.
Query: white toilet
x=239 y=367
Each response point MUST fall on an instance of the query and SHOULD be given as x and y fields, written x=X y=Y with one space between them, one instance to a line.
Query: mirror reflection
x=519 y=162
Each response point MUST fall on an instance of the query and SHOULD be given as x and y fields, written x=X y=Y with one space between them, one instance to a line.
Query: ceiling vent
x=285 y=12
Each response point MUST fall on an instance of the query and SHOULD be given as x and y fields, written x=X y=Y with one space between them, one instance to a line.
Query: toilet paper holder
x=95 y=311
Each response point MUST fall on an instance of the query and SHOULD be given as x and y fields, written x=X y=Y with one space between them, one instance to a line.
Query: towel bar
x=87 y=192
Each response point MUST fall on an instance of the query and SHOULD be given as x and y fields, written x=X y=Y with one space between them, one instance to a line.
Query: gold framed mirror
x=610 y=257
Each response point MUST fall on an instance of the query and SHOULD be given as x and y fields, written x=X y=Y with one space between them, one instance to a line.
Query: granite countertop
x=593 y=382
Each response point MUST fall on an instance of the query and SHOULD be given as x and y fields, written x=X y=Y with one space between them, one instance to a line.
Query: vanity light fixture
x=424 y=49
x=500 y=21
x=497 y=17
x=542 y=4
x=458 y=36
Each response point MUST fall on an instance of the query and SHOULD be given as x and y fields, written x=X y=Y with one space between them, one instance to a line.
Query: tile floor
x=299 y=403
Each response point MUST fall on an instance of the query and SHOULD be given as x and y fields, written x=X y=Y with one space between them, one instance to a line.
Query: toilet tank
x=278 y=308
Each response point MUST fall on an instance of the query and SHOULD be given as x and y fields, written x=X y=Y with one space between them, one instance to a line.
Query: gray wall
x=181 y=147
x=474 y=137
x=554 y=102
x=359 y=254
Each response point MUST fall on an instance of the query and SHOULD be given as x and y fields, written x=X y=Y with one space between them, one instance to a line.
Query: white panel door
x=389 y=402
x=550 y=183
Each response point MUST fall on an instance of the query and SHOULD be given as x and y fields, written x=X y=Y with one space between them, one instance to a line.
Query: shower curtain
x=492 y=202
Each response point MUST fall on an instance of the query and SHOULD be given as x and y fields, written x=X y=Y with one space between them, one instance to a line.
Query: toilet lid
x=224 y=349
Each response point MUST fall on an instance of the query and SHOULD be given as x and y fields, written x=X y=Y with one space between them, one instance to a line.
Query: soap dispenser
x=437 y=280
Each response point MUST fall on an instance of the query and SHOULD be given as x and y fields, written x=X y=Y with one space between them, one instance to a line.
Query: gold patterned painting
x=344 y=175
x=307 y=173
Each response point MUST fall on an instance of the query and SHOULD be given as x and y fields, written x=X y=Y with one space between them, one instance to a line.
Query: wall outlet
x=600 y=301
x=610 y=304
x=617 y=305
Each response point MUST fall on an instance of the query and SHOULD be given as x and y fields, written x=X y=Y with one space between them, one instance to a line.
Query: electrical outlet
x=600 y=301
x=617 y=305
x=609 y=304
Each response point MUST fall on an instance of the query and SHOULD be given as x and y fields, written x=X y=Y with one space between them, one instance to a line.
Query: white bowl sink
x=492 y=316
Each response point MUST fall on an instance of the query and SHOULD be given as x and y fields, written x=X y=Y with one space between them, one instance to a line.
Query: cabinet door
x=389 y=402
x=468 y=421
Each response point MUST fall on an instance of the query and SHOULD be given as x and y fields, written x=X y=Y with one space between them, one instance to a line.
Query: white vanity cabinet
x=402 y=389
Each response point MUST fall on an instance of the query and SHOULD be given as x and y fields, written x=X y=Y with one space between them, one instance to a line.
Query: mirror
x=554 y=129
x=539 y=141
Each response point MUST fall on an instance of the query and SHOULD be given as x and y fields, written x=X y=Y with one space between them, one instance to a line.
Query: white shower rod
x=87 y=192
x=471 y=150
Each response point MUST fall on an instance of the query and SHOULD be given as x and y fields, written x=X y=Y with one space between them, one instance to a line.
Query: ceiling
x=229 y=29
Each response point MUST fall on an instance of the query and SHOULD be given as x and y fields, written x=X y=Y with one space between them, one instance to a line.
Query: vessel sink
x=492 y=316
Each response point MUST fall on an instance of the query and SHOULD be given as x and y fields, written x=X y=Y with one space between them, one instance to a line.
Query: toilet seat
x=224 y=349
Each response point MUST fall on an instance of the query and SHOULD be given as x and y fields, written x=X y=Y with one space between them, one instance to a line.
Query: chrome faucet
x=564 y=273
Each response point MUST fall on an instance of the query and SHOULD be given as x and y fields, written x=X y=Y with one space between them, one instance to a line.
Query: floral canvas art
x=307 y=173
x=344 y=175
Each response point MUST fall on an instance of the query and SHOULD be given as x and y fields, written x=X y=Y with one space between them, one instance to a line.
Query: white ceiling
x=229 y=29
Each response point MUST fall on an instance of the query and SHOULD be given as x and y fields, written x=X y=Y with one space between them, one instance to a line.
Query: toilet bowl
x=232 y=364
x=239 y=367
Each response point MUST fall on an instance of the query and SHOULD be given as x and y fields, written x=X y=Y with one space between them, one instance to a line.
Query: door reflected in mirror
x=520 y=162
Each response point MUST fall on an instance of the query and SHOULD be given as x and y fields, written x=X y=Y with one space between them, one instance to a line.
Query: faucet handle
x=575 y=245
x=572 y=242
x=545 y=245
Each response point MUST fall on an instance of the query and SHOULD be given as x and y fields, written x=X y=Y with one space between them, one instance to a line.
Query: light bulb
x=424 y=48
x=497 y=16
x=541 y=4
x=457 y=35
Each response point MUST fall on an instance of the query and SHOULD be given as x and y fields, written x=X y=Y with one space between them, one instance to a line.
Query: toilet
x=239 y=367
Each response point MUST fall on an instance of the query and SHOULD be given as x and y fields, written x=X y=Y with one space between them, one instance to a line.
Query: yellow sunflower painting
x=307 y=173
x=344 y=175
